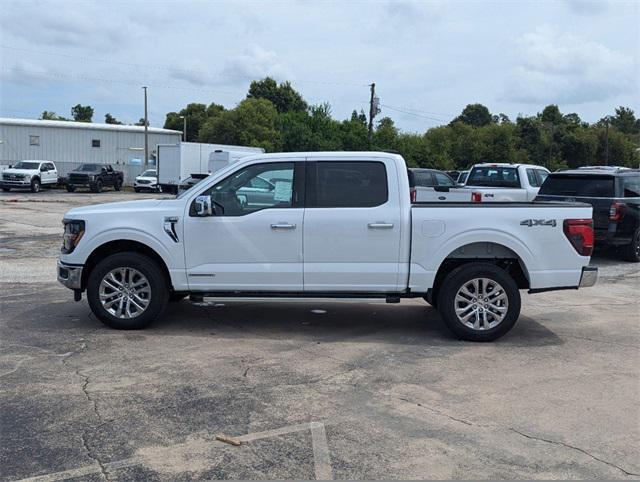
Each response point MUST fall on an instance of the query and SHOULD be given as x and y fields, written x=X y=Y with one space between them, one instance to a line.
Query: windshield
x=27 y=165
x=494 y=176
x=578 y=186
x=89 y=167
x=149 y=173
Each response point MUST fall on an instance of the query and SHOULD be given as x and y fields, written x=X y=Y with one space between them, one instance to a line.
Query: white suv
x=29 y=175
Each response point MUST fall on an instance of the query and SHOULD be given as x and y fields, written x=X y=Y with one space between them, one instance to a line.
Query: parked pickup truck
x=362 y=238
x=505 y=182
x=427 y=185
x=29 y=175
x=95 y=177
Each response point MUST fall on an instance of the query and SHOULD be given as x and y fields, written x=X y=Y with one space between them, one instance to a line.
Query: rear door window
x=532 y=178
x=578 y=186
x=357 y=184
x=443 y=180
x=421 y=178
x=631 y=186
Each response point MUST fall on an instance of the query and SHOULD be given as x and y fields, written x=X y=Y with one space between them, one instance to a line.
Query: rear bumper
x=589 y=276
x=70 y=275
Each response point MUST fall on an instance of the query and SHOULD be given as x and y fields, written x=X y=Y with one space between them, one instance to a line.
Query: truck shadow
x=405 y=324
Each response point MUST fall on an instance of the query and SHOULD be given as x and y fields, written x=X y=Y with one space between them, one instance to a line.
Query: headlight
x=73 y=231
x=26 y=177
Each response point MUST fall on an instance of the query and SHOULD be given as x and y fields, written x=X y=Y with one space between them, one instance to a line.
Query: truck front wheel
x=479 y=302
x=117 y=186
x=127 y=291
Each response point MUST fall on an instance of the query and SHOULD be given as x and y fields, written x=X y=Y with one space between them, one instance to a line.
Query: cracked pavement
x=396 y=396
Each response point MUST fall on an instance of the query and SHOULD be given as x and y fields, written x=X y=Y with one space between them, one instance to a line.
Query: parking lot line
x=321 y=458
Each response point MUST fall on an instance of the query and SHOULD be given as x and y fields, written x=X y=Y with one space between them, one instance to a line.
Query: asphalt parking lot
x=312 y=389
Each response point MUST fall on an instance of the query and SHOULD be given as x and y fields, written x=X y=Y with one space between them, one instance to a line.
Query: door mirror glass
x=203 y=206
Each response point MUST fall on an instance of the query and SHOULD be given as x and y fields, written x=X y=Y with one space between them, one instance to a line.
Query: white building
x=69 y=144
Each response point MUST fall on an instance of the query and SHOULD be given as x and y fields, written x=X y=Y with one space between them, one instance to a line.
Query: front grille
x=144 y=181
x=12 y=177
x=78 y=177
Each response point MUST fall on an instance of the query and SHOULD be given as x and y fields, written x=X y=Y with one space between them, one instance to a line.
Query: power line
x=413 y=113
x=424 y=111
x=168 y=68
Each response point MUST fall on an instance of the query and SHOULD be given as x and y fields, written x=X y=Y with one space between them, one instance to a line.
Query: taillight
x=476 y=197
x=579 y=232
x=414 y=194
x=616 y=211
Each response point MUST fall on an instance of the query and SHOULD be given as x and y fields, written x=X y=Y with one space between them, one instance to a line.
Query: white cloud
x=256 y=63
x=555 y=67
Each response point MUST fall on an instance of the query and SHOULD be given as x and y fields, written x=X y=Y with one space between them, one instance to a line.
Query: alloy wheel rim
x=125 y=293
x=481 y=304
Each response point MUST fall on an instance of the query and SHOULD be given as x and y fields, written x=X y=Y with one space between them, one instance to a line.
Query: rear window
x=578 y=186
x=350 y=184
x=490 y=176
x=631 y=186
x=421 y=178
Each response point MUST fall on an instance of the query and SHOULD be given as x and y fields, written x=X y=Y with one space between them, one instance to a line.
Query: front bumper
x=589 y=276
x=22 y=183
x=70 y=275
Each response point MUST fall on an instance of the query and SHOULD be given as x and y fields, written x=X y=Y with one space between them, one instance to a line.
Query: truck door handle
x=283 y=226
x=380 y=225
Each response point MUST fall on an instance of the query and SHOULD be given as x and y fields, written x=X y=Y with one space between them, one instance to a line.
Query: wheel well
x=493 y=253
x=121 y=246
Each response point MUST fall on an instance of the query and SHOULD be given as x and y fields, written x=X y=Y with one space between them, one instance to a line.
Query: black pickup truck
x=95 y=177
x=614 y=194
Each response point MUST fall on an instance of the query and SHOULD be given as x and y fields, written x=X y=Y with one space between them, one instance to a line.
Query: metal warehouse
x=69 y=144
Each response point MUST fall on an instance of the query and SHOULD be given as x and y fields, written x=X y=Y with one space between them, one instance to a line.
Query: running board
x=198 y=297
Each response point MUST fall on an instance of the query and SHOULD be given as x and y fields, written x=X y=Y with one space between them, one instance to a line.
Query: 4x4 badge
x=538 y=222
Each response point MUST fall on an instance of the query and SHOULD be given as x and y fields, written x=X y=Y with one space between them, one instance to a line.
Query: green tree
x=252 y=123
x=476 y=115
x=140 y=122
x=551 y=114
x=625 y=121
x=578 y=147
x=385 y=137
x=283 y=96
x=109 y=119
x=50 y=115
x=82 y=113
x=196 y=115
x=438 y=142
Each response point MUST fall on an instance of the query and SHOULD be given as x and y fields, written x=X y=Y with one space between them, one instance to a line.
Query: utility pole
x=374 y=109
x=606 y=143
x=146 y=131
x=184 y=128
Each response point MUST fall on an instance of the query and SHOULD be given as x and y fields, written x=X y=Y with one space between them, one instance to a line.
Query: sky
x=428 y=59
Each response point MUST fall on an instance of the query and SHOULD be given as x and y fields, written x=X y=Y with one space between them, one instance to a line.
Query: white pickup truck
x=29 y=175
x=491 y=182
x=333 y=225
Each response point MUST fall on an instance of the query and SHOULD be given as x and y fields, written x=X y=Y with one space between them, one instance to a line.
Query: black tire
x=6 y=189
x=96 y=186
x=176 y=296
x=35 y=185
x=117 y=185
x=71 y=188
x=631 y=252
x=157 y=283
x=136 y=189
x=456 y=281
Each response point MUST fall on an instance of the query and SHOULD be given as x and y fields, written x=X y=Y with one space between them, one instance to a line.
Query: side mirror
x=441 y=188
x=203 y=206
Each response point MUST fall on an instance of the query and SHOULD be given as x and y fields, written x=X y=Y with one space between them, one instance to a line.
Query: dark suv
x=614 y=194
x=95 y=177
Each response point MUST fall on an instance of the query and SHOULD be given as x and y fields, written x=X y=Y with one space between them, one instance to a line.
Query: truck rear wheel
x=631 y=252
x=70 y=188
x=127 y=291
x=479 y=302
